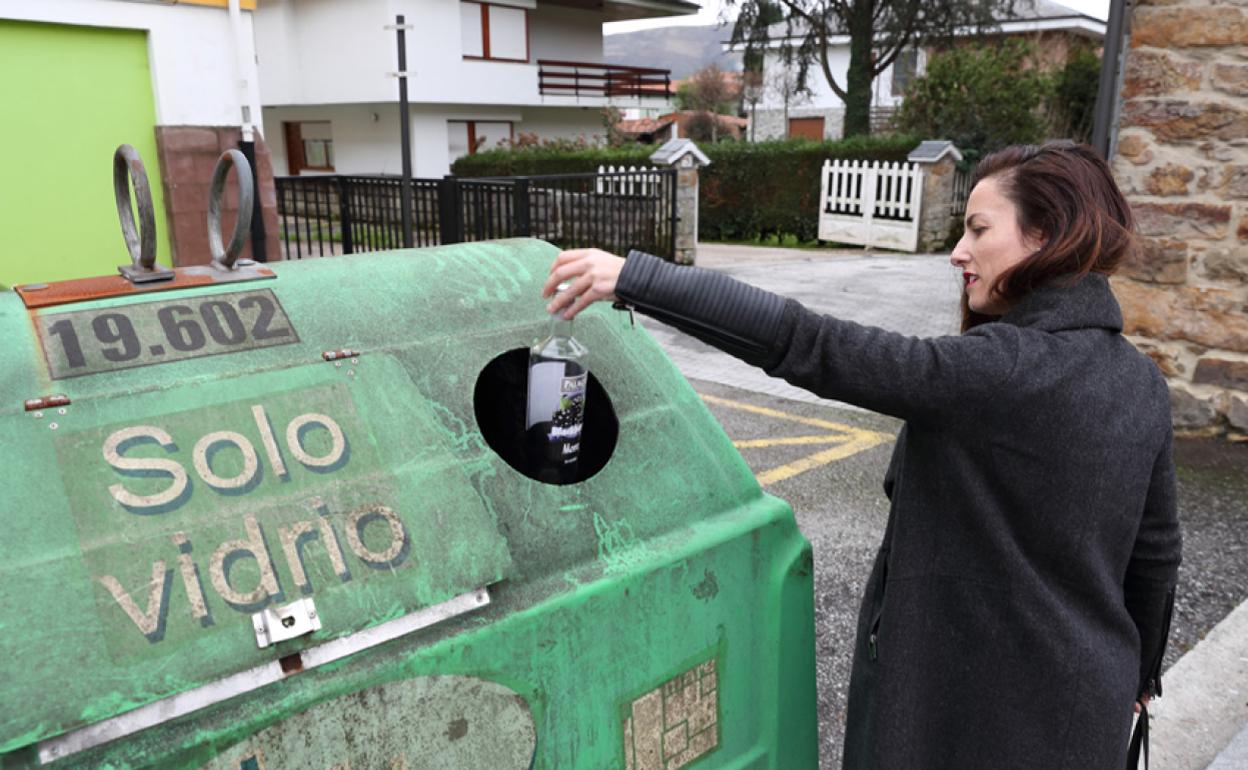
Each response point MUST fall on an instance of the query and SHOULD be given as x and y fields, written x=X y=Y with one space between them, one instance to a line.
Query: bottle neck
x=560 y=327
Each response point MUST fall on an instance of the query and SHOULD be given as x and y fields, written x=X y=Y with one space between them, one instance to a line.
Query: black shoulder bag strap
x=1139 y=738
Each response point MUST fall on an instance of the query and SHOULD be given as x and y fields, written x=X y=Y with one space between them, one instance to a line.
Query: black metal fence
x=327 y=215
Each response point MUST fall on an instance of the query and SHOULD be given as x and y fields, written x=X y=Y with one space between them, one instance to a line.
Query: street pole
x=405 y=134
x=1107 y=90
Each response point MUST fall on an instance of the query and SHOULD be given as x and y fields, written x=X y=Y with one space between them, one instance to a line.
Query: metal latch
x=278 y=624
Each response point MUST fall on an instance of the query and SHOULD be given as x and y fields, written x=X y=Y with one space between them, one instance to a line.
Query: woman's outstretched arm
x=907 y=377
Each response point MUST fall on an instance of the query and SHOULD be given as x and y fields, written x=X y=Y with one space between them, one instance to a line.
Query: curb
x=1204 y=705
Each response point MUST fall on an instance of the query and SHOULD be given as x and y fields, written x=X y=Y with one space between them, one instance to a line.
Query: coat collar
x=1060 y=306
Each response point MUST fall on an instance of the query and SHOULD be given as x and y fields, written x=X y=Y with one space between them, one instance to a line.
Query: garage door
x=806 y=128
x=69 y=95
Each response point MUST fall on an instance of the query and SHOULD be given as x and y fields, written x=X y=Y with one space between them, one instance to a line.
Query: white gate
x=871 y=204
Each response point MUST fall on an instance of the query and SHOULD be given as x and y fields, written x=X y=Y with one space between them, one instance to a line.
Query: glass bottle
x=556 y=402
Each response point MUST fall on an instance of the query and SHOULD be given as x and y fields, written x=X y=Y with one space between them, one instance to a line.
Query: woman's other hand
x=1142 y=701
x=591 y=276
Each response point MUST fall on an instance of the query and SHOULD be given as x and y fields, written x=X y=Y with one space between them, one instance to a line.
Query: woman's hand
x=591 y=274
x=1143 y=700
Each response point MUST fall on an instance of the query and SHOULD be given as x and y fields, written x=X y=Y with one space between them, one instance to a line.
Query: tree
x=708 y=93
x=878 y=31
x=1074 y=95
x=978 y=97
x=783 y=85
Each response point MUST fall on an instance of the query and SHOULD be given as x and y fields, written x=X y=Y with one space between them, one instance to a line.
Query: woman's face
x=991 y=245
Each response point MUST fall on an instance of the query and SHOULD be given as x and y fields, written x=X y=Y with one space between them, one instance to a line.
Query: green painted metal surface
x=658 y=614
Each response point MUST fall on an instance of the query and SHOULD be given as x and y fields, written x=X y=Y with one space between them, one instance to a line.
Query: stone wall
x=770 y=124
x=1182 y=159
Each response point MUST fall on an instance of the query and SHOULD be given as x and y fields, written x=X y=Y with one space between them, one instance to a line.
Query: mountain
x=683 y=50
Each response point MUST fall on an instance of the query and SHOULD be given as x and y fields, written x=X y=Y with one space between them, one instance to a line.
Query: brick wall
x=1182 y=159
x=188 y=155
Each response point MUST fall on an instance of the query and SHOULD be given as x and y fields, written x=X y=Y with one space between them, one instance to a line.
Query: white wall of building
x=335 y=52
x=191 y=53
x=366 y=137
x=822 y=96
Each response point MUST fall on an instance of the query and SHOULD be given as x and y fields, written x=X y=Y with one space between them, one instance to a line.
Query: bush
x=981 y=97
x=751 y=191
x=552 y=157
x=1073 y=104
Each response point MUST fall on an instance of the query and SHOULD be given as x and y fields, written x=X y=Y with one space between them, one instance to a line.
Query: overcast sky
x=710 y=15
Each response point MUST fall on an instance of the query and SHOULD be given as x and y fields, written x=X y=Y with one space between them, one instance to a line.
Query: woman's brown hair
x=1066 y=196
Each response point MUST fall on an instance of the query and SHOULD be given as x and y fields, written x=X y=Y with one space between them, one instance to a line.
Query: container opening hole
x=500 y=401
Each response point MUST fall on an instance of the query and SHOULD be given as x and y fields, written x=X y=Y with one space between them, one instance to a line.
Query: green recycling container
x=280 y=519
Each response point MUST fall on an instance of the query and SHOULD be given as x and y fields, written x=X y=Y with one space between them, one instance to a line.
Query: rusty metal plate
x=39 y=295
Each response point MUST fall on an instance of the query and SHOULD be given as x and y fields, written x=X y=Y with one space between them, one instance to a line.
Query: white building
x=820 y=113
x=477 y=73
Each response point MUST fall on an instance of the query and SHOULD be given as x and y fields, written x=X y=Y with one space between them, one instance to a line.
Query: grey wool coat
x=1020 y=600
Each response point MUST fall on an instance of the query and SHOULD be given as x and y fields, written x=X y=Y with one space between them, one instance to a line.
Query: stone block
x=1158 y=260
x=1224 y=264
x=1191 y=412
x=1235 y=180
x=1170 y=179
x=1135 y=148
x=1214 y=318
x=1183 y=220
x=1167 y=357
x=1226 y=181
x=1237 y=412
x=1157 y=73
x=1217 y=151
x=1222 y=373
x=1177 y=121
x=1231 y=78
x=1211 y=25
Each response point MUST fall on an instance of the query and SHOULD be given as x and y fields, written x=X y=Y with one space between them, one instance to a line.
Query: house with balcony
x=478 y=73
x=1052 y=29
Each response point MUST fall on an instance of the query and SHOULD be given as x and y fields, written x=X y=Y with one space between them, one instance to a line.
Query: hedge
x=751 y=190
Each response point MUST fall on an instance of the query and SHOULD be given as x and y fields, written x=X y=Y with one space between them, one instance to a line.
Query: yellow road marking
x=848 y=439
x=757 y=443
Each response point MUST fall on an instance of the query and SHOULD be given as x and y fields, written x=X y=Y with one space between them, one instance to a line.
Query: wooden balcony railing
x=570 y=78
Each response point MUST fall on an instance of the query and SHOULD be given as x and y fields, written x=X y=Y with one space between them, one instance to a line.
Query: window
x=309 y=146
x=494 y=32
x=905 y=68
x=468 y=136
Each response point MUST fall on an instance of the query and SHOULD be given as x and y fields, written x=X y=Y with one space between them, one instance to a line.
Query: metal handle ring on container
x=140 y=240
x=221 y=255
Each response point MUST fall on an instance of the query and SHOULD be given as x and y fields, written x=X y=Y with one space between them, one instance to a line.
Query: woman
x=1020 y=602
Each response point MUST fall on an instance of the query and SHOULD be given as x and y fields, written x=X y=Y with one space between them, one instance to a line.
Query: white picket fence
x=871 y=203
x=630 y=181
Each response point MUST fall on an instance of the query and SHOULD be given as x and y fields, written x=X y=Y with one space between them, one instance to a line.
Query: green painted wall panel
x=69 y=95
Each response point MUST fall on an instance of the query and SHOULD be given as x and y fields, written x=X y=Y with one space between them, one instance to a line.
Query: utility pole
x=1107 y=90
x=405 y=135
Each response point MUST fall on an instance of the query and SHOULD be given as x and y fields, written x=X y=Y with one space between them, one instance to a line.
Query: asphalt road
x=828 y=459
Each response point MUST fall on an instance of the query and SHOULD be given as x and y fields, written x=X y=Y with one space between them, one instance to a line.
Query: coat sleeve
x=907 y=377
x=1148 y=589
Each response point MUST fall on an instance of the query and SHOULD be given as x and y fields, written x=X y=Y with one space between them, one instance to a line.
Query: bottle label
x=556 y=409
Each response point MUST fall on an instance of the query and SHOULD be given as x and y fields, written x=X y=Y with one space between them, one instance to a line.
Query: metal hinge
x=273 y=625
